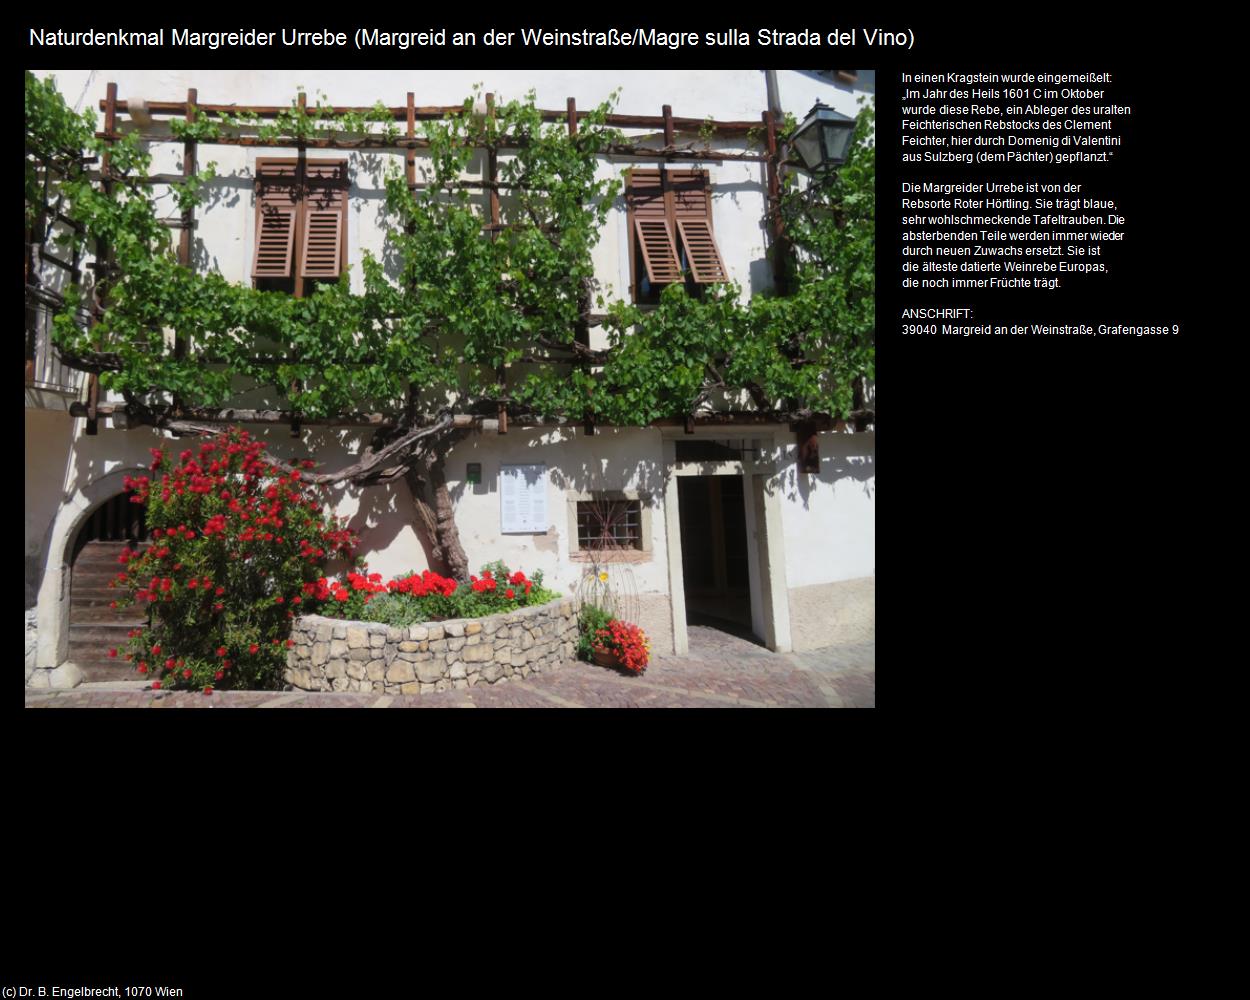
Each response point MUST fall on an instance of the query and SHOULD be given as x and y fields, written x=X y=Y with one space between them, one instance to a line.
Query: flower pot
x=610 y=659
x=606 y=658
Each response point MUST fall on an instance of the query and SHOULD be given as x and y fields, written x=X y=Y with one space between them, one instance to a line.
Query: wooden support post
x=410 y=156
x=859 y=422
x=297 y=255
x=103 y=253
x=809 y=447
x=410 y=175
x=492 y=178
x=582 y=332
x=670 y=199
x=776 y=224
x=301 y=173
x=189 y=168
x=492 y=167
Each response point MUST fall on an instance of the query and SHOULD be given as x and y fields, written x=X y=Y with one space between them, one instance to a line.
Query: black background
x=1036 y=502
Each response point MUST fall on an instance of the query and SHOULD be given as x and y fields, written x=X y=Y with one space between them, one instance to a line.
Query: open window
x=671 y=238
x=301 y=223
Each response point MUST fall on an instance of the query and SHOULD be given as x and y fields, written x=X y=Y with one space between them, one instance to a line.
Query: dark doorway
x=94 y=627
x=715 y=574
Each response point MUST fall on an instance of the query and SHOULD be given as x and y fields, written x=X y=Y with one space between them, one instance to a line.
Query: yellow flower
x=603 y=575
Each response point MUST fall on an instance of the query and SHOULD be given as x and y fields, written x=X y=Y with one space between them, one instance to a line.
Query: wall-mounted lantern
x=823 y=140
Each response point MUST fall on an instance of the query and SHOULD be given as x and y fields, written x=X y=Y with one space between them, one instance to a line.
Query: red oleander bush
x=235 y=541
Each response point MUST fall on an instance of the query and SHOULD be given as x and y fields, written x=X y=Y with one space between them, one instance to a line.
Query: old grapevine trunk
x=415 y=453
x=436 y=515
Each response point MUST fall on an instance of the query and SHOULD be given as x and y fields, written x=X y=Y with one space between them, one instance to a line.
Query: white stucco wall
x=830 y=518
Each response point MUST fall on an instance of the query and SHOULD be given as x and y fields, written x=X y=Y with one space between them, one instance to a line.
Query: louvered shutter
x=651 y=228
x=692 y=204
x=324 y=203
x=277 y=201
x=694 y=226
x=659 y=253
x=701 y=251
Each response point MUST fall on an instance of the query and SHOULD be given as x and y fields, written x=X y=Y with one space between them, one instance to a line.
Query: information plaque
x=523 y=499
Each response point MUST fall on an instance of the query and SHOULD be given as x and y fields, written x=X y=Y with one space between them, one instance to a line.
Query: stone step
x=102 y=614
x=104 y=599
x=97 y=575
x=97 y=646
x=94 y=671
x=98 y=553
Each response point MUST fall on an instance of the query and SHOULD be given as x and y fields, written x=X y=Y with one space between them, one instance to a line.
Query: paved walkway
x=721 y=672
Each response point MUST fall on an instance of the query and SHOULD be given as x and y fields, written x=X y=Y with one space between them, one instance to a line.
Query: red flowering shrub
x=234 y=541
x=627 y=641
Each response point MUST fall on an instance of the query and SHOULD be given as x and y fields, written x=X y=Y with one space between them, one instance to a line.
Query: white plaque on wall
x=523 y=499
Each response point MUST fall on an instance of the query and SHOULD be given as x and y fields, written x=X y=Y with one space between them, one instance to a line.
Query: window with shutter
x=301 y=222
x=670 y=232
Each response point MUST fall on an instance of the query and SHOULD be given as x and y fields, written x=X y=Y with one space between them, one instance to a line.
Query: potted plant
x=621 y=644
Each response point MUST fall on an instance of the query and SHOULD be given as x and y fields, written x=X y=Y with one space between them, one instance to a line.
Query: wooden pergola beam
x=436 y=112
x=231 y=415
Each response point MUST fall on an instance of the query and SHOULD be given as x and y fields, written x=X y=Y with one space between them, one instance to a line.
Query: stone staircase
x=94 y=627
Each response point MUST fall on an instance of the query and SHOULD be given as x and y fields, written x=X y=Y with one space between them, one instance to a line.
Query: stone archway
x=51 y=668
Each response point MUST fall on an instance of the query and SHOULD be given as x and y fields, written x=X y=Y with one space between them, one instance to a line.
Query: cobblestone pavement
x=721 y=671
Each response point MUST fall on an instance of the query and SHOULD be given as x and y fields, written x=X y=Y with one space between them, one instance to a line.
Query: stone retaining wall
x=331 y=654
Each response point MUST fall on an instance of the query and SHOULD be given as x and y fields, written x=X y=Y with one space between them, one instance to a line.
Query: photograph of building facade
x=764 y=528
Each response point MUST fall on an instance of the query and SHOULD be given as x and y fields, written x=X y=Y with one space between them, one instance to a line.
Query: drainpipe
x=781 y=151
x=774 y=97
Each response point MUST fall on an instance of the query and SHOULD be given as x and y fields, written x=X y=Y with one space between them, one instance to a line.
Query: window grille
x=609 y=524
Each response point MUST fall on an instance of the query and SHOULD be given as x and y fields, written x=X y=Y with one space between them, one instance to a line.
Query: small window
x=301 y=223
x=609 y=524
x=670 y=232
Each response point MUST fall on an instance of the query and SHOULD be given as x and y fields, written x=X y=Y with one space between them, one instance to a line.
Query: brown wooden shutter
x=325 y=207
x=659 y=253
x=655 y=236
x=277 y=201
x=692 y=213
x=694 y=226
x=275 y=240
x=645 y=197
x=701 y=251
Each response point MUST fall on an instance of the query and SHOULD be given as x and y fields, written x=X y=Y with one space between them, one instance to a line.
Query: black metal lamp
x=823 y=141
